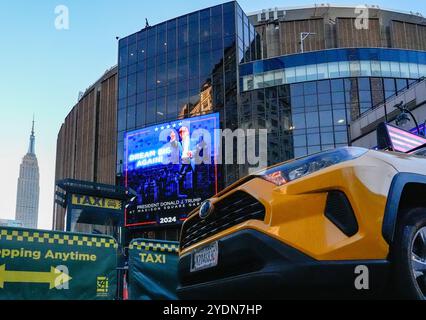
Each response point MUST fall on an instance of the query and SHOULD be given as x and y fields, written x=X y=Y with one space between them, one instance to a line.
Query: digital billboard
x=397 y=139
x=172 y=167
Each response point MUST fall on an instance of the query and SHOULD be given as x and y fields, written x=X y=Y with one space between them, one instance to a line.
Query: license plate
x=205 y=258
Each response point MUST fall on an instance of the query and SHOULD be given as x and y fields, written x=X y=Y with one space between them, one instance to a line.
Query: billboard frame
x=146 y=129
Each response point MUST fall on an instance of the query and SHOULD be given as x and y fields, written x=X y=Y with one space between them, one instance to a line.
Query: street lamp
x=303 y=36
x=404 y=117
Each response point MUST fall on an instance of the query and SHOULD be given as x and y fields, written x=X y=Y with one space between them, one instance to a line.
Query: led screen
x=172 y=167
x=397 y=139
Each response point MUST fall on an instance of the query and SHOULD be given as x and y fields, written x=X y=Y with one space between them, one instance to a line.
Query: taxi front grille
x=228 y=212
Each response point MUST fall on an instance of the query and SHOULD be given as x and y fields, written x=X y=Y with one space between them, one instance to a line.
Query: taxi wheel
x=409 y=256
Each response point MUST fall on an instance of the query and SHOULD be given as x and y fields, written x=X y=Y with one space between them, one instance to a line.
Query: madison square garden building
x=220 y=68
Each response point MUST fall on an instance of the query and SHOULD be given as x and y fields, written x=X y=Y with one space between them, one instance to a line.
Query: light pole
x=303 y=36
x=404 y=118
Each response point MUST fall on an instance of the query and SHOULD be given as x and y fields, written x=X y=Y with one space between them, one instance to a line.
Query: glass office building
x=307 y=100
x=249 y=69
x=184 y=67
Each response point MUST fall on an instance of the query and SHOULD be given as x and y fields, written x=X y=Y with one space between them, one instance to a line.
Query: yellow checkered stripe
x=150 y=246
x=56 y=238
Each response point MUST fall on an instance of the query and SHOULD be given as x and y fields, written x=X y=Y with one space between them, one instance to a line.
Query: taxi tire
x=404 y=283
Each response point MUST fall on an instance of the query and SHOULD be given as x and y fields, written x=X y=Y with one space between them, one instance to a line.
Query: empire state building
x=27 y=198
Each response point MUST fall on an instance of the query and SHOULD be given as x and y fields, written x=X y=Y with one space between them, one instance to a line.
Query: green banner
x=47 y=265
x=153 y=270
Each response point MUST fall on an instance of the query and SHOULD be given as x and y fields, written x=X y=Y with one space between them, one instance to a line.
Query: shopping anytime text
x=23 y=253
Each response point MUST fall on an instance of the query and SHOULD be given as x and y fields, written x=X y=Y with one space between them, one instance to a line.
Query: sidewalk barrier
x=48 y=265
x=153 y=270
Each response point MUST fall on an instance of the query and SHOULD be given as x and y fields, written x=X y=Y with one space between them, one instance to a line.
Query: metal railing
x=390 y=98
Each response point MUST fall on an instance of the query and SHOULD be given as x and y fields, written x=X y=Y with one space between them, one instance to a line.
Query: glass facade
x=309 y=117
x=184 y=67
x=210 y=61
x=333 y=64
x=308 y=100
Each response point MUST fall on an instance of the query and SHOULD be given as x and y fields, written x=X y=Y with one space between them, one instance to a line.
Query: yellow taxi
x=346 y=221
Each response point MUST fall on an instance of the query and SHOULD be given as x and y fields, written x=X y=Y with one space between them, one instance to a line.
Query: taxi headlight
x=302 y=167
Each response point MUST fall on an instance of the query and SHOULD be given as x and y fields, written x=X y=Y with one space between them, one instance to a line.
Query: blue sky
x=43 y=69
